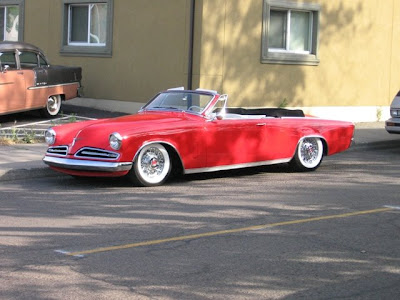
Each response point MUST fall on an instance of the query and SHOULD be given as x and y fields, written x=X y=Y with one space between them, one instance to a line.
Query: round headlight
x=115 y=140
x=50 y=136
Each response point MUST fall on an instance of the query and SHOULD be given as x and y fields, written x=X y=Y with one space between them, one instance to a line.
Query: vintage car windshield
x=183 y=101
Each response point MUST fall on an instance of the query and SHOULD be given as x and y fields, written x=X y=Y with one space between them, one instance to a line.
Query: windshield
x=183 y=101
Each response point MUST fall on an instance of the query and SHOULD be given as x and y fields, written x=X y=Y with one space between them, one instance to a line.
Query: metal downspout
x=191 y=45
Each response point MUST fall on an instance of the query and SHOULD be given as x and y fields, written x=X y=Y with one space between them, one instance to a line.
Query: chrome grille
x=58 y=150
x=96 y=153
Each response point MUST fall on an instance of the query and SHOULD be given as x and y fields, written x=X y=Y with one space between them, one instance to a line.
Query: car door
x=32 y=72
x=236 y=141
x=281 y=137
x=12 y=84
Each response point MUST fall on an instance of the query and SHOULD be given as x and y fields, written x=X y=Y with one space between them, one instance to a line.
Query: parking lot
x=261 y=233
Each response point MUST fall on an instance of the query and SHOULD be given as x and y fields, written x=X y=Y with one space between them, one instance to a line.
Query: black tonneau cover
x=269 y=112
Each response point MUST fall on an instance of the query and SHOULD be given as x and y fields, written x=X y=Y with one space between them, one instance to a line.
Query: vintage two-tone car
x=29 y=82
x=393 y=124
x=191 y=132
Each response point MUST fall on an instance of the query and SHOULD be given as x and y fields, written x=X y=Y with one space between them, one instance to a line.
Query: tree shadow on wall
x=227 y=52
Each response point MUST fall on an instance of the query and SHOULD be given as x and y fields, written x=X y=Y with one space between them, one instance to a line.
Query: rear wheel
x=151 y=167
x=53 y=106
x=309 y=154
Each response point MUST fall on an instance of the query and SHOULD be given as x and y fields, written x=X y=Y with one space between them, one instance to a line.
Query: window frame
x=21 y=19
x=4 y=64
x=86 y=49
x=284 y=55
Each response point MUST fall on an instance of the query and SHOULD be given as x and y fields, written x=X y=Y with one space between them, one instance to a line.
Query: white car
x=393 y=124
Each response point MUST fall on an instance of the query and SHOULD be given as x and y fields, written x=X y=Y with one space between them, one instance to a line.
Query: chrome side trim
x=50 y=86
x=86 y=165
x=238 y=166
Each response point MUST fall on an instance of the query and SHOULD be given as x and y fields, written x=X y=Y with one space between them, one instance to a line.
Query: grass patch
x=6 y=141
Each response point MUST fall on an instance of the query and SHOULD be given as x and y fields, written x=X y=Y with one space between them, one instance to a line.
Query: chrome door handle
x=261 y=124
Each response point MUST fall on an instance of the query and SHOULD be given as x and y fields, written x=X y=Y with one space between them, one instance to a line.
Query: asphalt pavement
x=24 y=161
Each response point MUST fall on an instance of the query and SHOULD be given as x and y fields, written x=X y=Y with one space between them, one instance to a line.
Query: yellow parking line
x=222 y=232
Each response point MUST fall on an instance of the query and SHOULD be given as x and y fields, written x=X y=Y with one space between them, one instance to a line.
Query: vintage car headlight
x=395 y=113
x=115 y=140
x=50 y=136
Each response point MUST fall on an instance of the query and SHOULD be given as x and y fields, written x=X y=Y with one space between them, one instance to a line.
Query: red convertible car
x=192 y=132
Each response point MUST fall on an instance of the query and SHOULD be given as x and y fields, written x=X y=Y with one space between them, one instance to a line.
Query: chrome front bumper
x=393 y=125
x=86 y=165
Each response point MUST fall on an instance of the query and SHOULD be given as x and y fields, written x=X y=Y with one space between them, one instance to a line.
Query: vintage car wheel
x=152 y=166
x=309 y=154
x=53 y=106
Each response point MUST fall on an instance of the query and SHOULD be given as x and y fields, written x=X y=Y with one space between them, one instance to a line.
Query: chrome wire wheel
x=152 y=165
x=308 y=155
x=310 y=152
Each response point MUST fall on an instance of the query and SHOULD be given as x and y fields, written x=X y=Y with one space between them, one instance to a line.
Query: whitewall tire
x=152 y=166
x=53 y=106
x=308 y=155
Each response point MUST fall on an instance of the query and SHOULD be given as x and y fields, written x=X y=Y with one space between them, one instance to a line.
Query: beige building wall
x=358 y=52
x=149 y=47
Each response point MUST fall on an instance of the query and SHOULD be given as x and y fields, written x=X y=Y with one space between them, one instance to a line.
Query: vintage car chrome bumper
x=86 y=165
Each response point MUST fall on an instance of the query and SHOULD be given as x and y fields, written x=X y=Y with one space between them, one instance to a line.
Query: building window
x=11 y=20
x=87 y=27
x=290 y=32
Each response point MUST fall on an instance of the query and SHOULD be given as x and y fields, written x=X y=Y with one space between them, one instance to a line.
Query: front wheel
x=309 y=154
x=151 y=167
x=53 y=106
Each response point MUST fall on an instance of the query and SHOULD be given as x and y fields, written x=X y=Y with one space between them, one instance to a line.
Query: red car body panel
x=201 y=143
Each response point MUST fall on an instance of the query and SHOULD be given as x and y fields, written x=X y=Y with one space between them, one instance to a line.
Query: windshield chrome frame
x=211 y=103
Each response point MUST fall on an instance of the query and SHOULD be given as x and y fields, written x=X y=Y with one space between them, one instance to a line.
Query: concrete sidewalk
x=23 y=161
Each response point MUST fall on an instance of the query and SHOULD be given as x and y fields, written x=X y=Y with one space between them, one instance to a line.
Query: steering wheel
x=195 y=107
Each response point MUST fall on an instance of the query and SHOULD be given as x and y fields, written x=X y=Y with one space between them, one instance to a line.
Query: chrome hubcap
x=309 y=151
x=52 y=104
x=152 y=162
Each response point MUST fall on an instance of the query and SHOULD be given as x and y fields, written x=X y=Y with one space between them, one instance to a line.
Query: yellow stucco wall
x=358 y=52
x=149 y=47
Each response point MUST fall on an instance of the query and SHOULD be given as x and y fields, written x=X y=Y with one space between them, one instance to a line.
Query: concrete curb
x=23 y=161
x=391 y=144
x=29 y=173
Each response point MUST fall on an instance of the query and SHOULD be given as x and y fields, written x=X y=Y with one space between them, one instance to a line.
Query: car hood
x=96 y=133
x=134 y=123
